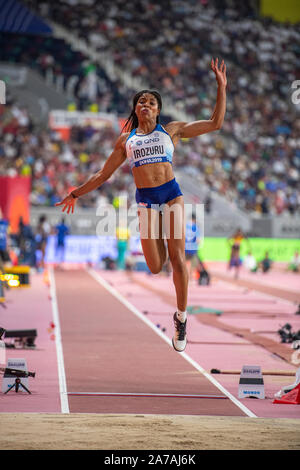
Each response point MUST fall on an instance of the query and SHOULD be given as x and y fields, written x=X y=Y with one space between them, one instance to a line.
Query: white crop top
x=143 y=149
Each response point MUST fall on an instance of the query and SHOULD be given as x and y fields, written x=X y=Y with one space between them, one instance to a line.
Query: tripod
x=16 y=386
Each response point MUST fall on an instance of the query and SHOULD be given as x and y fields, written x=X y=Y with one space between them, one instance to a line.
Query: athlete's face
x=147 y=107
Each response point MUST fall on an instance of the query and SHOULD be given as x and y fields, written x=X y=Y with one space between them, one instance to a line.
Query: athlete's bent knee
x=154 y=268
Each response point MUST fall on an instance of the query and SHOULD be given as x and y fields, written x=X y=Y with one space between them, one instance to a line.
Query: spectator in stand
x=192 y=240
x=255 y=163
x=249 y=262
x=235 y=242
x=208 y=204
x=62 y=230
x=26 y=244
x=41 y=237
x=4 y=229
x=266 y=263
x=294 y=264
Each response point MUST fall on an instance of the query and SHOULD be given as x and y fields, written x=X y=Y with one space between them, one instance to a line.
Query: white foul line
x=59 y=349
x=143 y=395
x=142 y=317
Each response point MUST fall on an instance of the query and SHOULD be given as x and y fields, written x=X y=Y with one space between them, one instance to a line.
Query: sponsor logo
x=151 y=141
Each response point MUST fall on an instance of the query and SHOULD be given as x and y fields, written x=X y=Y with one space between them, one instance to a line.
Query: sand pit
x=145 y=432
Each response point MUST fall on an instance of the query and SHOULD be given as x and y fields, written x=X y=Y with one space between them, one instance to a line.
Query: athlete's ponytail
x=132 y=121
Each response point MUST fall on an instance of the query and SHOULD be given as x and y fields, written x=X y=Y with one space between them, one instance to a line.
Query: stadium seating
x=254 y=161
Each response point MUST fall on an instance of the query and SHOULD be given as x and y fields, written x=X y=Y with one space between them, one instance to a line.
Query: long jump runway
x=114 y=360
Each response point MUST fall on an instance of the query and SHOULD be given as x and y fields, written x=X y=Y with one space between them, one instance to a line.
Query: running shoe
x=179 y=339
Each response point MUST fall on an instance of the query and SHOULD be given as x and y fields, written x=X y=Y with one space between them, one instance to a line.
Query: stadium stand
x=254 y=161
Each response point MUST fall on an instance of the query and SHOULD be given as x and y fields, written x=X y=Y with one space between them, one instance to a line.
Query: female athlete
x=149 y=148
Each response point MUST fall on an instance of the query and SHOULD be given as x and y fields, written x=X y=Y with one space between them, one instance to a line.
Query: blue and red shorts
x=153 y=198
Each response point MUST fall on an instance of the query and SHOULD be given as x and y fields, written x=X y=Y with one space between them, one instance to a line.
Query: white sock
x=181 y=316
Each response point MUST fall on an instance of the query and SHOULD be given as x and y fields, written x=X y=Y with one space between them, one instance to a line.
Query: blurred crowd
x=56 y=166
x=27 y=245
x=254 y=160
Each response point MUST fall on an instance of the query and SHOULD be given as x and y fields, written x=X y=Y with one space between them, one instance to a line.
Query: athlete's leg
x=174 y=226
x=154 y=249
x=189 y=265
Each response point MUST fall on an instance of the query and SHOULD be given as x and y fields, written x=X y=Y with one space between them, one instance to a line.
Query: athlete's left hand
x=68 y=202
x=219 y=72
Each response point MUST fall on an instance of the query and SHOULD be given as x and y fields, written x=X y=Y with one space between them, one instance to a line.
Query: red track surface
x=28 y=308
x=107 y=348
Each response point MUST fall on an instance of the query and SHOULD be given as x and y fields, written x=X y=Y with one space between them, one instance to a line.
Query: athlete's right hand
x=219 y=72
x=69 y=202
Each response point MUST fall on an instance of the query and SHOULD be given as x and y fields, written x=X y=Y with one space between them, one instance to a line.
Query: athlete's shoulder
x=130 y=134
x=173 y=127
x=121 y=141
x=125 y=135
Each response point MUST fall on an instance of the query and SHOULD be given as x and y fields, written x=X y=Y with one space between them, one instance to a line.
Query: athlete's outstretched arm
x=195 y=128
x=116 y=158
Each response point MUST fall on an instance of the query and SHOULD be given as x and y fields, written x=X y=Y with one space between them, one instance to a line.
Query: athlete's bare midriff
x=153 y=174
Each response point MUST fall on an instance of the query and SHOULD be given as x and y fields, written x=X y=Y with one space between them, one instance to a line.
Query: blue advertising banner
x=85 y=249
